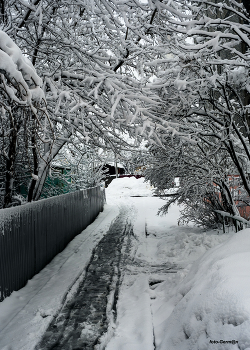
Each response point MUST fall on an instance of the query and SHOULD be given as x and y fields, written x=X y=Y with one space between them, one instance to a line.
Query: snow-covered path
x=154 y=257
x=81 y=322
x=26 y=314
x=111 y=307
x=161 y=255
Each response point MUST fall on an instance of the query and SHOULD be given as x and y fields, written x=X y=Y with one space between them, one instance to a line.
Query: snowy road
x=110 y=288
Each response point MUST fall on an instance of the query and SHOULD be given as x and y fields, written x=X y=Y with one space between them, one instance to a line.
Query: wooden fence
x=31 y=235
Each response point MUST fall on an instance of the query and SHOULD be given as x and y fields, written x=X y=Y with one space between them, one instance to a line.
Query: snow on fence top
x=235 y=217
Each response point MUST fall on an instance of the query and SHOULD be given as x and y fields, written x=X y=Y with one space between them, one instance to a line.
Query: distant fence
x=238 y=221
x=33 y=234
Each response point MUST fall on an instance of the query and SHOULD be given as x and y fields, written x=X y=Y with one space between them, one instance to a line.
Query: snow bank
x=212 y=303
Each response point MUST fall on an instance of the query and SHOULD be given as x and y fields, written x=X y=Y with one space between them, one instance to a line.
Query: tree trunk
x=35 y=161
x=9 y=176
x=44 y=166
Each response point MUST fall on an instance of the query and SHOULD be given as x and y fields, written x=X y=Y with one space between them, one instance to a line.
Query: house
x=236 y=191
x=112 y=170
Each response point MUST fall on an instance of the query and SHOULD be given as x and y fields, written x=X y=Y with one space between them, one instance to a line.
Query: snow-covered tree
x=88 y=54
x=153 y=69
x=203 y=84
x=23 y=109
x=204 y=186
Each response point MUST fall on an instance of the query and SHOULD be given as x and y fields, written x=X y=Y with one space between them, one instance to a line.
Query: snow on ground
x=211 y=306
x=160 y=245
x=25 y=315
x=167 y=299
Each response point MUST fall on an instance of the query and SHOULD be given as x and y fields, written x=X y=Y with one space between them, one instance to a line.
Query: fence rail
x=33 y=234
x=238 y=221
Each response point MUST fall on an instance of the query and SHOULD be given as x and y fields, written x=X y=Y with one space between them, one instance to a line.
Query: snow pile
x=212 y=303
x=179 y=245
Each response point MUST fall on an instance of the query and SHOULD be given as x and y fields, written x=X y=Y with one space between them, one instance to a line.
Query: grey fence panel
x=33 y=234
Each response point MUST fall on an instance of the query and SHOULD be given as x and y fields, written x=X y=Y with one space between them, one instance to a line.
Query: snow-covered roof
x=62 y=165
x=119 y=165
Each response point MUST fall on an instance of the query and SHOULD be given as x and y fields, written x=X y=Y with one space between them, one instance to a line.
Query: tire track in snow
x=85 y=318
